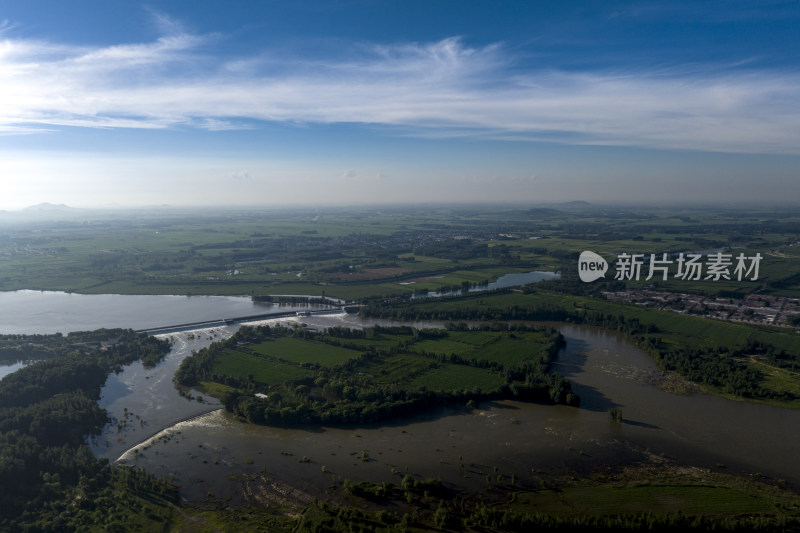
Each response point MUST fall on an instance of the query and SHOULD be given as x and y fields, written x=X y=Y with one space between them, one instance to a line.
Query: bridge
x=239 y=319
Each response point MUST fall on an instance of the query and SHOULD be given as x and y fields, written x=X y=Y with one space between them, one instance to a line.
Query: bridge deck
x=235 y=320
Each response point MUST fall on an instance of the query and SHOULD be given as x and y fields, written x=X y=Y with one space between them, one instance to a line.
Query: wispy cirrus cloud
x=438 y=89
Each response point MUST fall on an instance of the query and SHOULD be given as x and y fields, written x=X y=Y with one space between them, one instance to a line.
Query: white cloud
x=164 y=23
x=441 y=89
x=240 y=175
x=116 y=58
x=6 y=26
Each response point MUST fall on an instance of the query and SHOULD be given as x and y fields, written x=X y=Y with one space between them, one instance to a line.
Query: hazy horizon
x=339 y=103
x=46 y=208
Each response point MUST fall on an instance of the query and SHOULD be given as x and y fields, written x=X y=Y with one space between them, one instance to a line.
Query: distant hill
x=46 y=207
x=576 y=204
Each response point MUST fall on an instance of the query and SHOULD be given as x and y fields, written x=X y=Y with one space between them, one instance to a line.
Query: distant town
x=752 y=309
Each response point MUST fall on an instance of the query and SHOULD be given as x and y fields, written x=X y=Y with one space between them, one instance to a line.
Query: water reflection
x=47 y=312
x=9 y=368
x=503 y=282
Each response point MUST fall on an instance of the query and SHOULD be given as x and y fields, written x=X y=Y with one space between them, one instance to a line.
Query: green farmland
x=446 y=377
x=335 y=377
x=360 y=253
x=302 y=351
x=758 y=363
x=264 y=371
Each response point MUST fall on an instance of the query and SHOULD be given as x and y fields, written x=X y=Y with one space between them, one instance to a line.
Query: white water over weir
x=130 y=452
x=230 y=321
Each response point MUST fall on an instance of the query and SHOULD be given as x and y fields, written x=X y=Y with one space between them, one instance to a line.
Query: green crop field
x=394 y=369
x=472 y=338
x=445 y=346
x=445 y=377
x=303 y=351
x=263 y=370
x=658 y=499
x=510 y=351
x=382 y=340
x=499 y=347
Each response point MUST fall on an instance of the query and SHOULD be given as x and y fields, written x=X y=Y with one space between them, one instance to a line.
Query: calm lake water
x=515 y=437
x=52 y=312
x=45 y=312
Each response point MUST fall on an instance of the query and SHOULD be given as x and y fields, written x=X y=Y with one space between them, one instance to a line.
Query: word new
x=591 y=266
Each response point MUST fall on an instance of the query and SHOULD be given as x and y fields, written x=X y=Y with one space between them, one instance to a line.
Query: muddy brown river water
x=213 y=452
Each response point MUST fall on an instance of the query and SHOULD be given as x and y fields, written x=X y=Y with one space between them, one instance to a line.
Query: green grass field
x=777 y=378
x=394 y=369
x=510 y=351
x=445 y=346
x=446 y=377
x=694 y=500
x=265 y=371
x=382 y=340
x=497 y=347
x=302 y=351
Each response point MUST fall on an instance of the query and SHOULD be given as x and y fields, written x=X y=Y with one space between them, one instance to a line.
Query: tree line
x=47 y=410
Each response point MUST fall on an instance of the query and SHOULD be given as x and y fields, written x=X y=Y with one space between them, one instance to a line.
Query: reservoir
x=53 y=312
x=47 y=312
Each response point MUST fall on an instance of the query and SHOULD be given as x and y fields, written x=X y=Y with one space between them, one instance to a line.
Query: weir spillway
x=160 y=330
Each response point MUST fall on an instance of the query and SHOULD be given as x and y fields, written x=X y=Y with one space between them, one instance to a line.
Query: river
x=211 y=452
x=506 y=281
x=208 y=450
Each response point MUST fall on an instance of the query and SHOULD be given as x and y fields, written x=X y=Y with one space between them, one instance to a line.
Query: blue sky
x=249 y=103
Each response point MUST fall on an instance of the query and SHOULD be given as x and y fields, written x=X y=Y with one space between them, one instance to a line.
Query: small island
x=288 y=376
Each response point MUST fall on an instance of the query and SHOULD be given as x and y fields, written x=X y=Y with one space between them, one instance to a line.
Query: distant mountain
x=576 y=204
x=46 y=207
